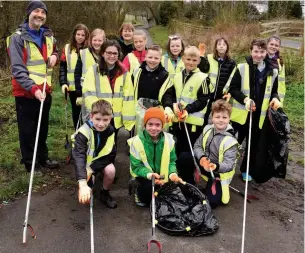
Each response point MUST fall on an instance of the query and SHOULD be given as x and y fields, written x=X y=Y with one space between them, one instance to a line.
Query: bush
x=167 y=12
x=294 y=68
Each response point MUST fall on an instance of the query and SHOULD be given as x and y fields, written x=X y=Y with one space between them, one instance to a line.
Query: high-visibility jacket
x=166 y=85
x=239 y=113
x=214 y=73
x=133 y=61
x=91 y=155
x=97 y=86
x=225 y=178
x=281 y=82
x=71 y=57
x=138 y=151
x=170 y=68
x=187 y=94
x=87 y=61
x=35 y=63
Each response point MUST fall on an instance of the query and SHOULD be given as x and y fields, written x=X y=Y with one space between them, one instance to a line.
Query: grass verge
x=159 y=35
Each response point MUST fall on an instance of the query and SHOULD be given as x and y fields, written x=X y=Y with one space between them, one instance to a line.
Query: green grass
x=13 y=177
x=159 y=35
x=294 y=105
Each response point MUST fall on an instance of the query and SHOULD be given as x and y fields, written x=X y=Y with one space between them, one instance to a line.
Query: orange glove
x=159 y=182
x=183 y=115
x=204 y=162
x=212 y=166
x=174 y=178
x=227 y=97
x=176 y=109
x=275 y=104
x=202 y=48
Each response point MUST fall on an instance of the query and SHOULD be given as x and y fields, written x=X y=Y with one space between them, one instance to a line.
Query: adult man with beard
x=33 y=54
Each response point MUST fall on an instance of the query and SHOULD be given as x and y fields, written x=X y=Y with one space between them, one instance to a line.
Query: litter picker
x=25 y=224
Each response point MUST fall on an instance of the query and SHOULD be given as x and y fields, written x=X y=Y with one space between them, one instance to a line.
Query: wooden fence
x=190 y=28
x=282 y=28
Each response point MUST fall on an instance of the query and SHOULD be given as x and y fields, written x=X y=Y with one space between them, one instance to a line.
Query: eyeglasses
x=174 y=37
x=115 y=54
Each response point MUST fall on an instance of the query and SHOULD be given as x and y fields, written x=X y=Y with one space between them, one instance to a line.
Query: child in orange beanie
x=152 y=153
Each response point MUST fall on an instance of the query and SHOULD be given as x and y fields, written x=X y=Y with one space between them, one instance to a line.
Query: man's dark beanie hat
x=34 y=5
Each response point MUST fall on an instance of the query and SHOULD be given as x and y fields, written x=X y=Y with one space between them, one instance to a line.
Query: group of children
x=190 y=88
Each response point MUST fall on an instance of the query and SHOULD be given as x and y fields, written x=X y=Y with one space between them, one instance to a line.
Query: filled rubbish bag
x=142 y=105
x=272 y=152
x=184 y=210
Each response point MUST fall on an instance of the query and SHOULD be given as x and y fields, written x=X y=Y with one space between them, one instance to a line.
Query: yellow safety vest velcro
x=138 y=151
x=87 y=61
x=71 y=58
x=281 y=82
x=137 y=74
x=88 y=133
x=187 y=94
x=35 y=63
x=133 y=62
x=170 y=68
x=239 y=113
x=97 y=86
x=225 y=178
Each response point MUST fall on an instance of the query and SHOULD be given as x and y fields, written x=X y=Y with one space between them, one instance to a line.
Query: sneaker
x=244 y=176
x=137 y=199
x=106 y=198
x=50 y=164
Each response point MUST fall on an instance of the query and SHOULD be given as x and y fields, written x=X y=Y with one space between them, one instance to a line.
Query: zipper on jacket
x=217 y=80
x=155 y=156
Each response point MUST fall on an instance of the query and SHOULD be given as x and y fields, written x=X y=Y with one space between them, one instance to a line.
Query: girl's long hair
x=73 y=43
x=103 y=68
x=215 y=53
x=171 y=38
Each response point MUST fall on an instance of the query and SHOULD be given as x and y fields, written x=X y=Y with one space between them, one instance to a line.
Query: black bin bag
x=184 y=210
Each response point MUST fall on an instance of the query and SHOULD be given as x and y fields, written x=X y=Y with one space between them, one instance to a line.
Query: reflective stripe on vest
x=169 y=67
x=213 y=72
x=71 y=63
x=138 y=151
x=187 y=94
x=97 y=86
x=88 y=133
x=133 y=62
x=35 y=62
x=87 y=61
x=137 y=74
x=281 y=82
x=227 y=86
x=226 y=177
x=239 y=113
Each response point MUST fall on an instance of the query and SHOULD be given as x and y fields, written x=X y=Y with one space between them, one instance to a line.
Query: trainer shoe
x=106 y=198
x=137 y=199
x=50 y=164
x=244 y=176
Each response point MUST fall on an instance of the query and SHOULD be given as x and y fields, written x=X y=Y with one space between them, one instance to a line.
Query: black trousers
x=27 y=119
x=243 y=133
x=145 y=189
x=75 y=109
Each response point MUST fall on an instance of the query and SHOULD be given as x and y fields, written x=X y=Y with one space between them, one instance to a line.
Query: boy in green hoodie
x=152 y=153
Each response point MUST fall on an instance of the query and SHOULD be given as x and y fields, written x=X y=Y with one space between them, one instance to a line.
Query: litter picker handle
x=66 y=95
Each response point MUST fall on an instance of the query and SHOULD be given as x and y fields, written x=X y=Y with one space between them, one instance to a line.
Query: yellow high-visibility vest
x=87 y=61
x=71 y=58
x=133 y=62
x=170 y=68
x=225 y=178
x=88 y=133
x=35 y=62
x=138 y=151
x=97 y=86
x=281 y=82
x=187 y=94
x=239 y=113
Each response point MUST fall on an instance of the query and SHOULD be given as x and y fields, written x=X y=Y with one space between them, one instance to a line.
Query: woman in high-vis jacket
x=109 y=80
x=79 y=40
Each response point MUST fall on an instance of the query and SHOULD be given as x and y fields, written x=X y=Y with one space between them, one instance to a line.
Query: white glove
x=79 y=101
x=84 y=192
x=64 y=87
x=248 y=102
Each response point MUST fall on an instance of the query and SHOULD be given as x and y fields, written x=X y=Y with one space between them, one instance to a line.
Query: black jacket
x=235 y=87
x=225 y=69
x=78 y=72
x=79 y=151
x=126 y=49
x=150 y=83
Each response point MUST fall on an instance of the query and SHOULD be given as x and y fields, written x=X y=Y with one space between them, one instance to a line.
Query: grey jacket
x=212 y=149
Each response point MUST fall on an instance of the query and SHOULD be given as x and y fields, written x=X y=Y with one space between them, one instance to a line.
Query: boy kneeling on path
x=94 y=151
x=152 y=152
x=217 y=151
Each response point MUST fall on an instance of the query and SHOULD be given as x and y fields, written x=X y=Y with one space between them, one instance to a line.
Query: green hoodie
x=153 y=152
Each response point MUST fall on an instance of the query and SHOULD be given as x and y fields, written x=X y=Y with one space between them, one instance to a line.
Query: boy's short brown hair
x=192 y=51
x=101 y=106
x=155 y=47
x=259 y=43
x=221 y=106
